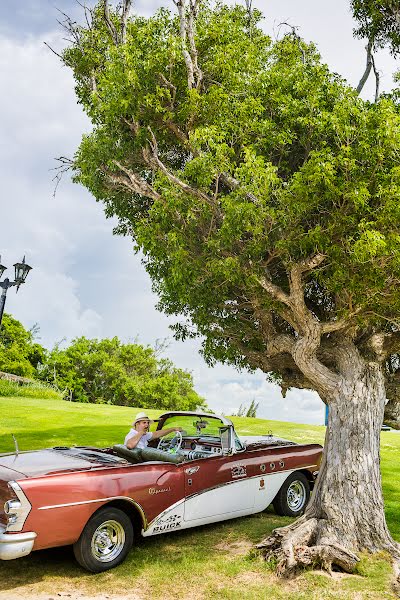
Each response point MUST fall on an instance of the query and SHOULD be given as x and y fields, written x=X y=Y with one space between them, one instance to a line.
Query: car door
x=218 y=487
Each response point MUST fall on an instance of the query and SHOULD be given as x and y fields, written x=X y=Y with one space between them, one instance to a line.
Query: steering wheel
x=176 y=445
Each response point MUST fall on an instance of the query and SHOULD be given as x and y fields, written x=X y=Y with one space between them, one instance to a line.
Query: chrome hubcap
x=108 y=541
x=296 y=495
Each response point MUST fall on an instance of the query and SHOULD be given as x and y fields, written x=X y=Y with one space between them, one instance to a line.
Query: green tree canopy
x=378 y=20
x=19 y=353
x=264 y=194
x=108 y=371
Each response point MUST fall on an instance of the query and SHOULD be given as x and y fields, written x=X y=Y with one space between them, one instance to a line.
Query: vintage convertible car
x=99 y=500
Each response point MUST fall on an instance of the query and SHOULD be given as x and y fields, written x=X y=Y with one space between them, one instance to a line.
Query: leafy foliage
x=315 y=170
x=19 y=353
x=378 y=20
x=109 y=372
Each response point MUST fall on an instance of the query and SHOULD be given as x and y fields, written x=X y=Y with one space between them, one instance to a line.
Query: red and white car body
x=57 y=496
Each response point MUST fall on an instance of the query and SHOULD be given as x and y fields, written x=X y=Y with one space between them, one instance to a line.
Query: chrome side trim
x=22 y=512
x=98 y=500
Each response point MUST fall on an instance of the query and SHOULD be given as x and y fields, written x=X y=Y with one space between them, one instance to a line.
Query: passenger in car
x=139 y=436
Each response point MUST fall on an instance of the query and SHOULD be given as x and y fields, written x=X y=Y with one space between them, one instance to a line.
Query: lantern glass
x=21 y=271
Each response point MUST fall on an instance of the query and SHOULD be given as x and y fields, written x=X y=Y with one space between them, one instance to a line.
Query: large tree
x=264 y=194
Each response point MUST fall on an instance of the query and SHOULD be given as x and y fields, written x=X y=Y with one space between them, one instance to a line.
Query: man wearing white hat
x=139 y=436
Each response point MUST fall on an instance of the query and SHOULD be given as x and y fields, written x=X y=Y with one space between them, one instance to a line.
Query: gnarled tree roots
x=297 y=546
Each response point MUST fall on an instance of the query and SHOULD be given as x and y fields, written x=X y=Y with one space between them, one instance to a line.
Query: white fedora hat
x=141 y=416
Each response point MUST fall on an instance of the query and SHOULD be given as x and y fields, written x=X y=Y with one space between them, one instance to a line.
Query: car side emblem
x=154 y=491
x=238 y=471
x=262 y=484
x=192 y=470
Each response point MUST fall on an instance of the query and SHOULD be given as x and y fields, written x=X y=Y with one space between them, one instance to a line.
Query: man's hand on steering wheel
x=176 y=442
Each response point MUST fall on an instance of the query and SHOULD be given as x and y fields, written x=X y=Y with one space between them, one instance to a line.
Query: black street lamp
x=21 y=272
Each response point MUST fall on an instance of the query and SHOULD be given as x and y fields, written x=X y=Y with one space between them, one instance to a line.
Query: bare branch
x=124 y=18
x=193 y=12
x=53 y=51
x=66 y=164
x=133 y=126
x=340 y=324
x=153 y=160
x=109 y=23
x=234 y=184
x=187 y=18
x=296 y=36
x=181 y=6
x=132 y=181
x=170 y=86
x=88 y=14
x=377 y=78
x=276 y=292
x=368 y=67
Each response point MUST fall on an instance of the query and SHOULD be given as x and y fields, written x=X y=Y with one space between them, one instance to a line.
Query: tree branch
x=193 y=12
x=275 y=291
x=153 y=160
x=126 y=7
x=52 y=50
x=187 y=19
x=133 y=182
x=383 y=344
x=377 y=78
x=109 y=23
x=368 y=67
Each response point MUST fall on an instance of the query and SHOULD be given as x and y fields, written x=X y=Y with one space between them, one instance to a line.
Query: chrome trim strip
x=86 y=502
x=136 y=504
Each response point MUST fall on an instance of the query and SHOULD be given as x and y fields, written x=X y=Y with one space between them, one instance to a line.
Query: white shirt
x=144 y=440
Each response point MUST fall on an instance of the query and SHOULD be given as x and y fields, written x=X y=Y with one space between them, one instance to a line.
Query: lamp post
x=21 y=272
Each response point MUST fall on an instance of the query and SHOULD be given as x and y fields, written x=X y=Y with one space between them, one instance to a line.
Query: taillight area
x=12 y=508
x=15 y=509
x=7 y=494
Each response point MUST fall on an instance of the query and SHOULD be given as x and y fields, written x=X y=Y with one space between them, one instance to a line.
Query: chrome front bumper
x=15 y=545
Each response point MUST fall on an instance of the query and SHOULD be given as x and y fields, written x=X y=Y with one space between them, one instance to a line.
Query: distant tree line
x=104 y=371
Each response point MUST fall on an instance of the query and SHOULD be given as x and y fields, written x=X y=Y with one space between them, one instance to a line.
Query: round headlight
x=11 y=506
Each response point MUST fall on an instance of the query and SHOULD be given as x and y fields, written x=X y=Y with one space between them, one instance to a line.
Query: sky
x=84 y=280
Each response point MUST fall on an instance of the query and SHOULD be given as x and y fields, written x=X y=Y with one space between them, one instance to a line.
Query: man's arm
x=133 y=441
x=158 y=434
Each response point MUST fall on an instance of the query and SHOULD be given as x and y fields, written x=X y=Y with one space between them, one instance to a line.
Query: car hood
x=54 y=460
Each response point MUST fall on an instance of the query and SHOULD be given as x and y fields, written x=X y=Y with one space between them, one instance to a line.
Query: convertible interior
x=199 y=439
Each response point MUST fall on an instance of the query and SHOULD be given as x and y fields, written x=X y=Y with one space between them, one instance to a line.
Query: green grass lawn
x=214 y=561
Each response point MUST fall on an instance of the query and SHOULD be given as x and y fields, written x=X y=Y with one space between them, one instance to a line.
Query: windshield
x=196 y=426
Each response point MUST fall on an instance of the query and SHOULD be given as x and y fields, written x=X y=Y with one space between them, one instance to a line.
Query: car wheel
x=105 y=540
x=293 y=496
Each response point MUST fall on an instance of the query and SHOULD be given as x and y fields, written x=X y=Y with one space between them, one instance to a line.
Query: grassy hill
x=207 y=562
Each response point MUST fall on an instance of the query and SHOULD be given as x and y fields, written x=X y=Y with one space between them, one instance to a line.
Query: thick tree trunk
x=346 y=512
